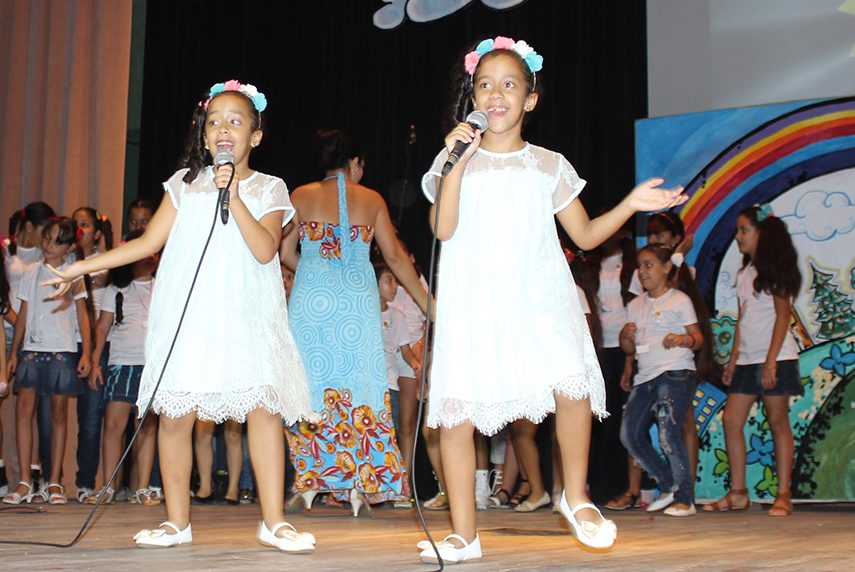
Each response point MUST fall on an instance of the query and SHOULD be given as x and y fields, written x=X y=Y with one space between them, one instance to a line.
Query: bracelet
x=772 y=367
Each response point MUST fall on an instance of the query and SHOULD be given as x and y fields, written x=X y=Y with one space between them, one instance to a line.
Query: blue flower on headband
x=485 y=47
x=764 y=211
x=534 y=61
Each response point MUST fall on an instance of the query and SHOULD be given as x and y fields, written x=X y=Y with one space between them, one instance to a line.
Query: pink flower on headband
x=503 y=43
x=232 y=85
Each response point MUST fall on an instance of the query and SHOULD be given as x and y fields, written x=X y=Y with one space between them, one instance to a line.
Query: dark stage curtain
x=322 y=63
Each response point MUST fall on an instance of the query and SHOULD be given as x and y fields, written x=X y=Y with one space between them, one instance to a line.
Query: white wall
x=714 y=54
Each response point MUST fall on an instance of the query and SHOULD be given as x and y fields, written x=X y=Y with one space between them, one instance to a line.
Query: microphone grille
x=223 y=157
x=479 y=119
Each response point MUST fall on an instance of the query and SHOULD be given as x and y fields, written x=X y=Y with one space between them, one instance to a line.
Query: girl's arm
x=769 y=375
x=261 y=236
x=84 y=365
x=102 y=328
x=411 y=359
x=151 y=241
x=17 y=338
x=396 y=257
x=626 y=375
x=288 y=247
x=626 y=338
x=10 y=316
x=449 y=208
x=4 y=380
x=589 y=233
x=693 y=339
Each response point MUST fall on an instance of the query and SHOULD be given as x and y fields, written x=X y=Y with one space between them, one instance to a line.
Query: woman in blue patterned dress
x=335 y=317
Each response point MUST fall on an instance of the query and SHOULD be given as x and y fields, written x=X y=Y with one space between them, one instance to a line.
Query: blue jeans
x=90 y=415
x=663 y=400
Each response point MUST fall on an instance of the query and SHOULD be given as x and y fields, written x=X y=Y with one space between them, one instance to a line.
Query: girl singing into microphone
x=235 y=358
x=511 y=347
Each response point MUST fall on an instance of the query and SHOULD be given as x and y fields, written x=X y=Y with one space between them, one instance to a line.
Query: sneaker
x=84 y=493
x=482 y=490
x=246 y=496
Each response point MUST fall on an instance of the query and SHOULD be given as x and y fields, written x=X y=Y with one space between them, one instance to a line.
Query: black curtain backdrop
x=322 y=63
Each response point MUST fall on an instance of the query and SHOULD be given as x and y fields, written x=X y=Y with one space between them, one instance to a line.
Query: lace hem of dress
x=220 y=406
x=490 y=418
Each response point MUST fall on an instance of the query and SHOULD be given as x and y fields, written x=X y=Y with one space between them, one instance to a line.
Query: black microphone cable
x=423 y=380
x=99 y=499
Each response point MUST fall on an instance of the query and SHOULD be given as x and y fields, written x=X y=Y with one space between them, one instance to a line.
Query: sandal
x=783 y=505
x=519 y=497
x=501 y=498
x=106 y=493
x=439 y=502
x=17 y=498
x=726 y=503
x=624 y=501
x=530 y=505
x=55 y=497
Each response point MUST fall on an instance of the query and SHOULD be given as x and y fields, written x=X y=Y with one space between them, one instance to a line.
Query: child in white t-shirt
x=47 y=366
x=663 y=331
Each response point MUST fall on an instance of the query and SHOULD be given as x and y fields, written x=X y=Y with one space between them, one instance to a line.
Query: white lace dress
x=234 y=352
x=510 y=330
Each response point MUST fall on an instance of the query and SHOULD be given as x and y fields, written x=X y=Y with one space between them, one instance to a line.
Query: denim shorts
x=123 y=383
x=48 y=373
x=746 y=379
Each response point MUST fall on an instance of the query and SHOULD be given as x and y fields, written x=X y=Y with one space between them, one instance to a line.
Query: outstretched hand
x=649 y=196
x=63 y=281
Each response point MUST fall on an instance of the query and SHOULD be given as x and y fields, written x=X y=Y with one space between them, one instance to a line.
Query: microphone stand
x=411 y=139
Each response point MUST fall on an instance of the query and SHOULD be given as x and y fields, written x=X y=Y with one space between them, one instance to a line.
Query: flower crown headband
x=533 y=60
x=258 y=99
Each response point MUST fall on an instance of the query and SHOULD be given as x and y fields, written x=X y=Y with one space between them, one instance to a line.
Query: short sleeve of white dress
x=175 y=187
x=274 y=197
x=430 y=180
x=567 y=187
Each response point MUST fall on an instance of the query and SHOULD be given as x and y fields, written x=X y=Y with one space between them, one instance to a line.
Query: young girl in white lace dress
x=535 y=356
x=234 y=357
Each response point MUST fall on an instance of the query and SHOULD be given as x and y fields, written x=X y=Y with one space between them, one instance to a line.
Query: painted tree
x=834 y=310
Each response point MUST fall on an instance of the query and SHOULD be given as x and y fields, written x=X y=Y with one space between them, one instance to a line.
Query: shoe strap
x=582 y=505
x=460 y=538
x=171 y=525
x=279 y=526
x=26 y=484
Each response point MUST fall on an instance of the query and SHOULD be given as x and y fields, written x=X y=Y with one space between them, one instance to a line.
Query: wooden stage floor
x=816 y=537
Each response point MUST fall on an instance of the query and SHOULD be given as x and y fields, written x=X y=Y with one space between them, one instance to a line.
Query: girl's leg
x=674 y=396
x=144 y=450
x=778 y=410
x=644 y=408
x=523 y=432
x=175 y=443
x=267 y=453
x=690 y=437
x=25 y=409
x=573 y=427
x=482 y=471
x=457 y=443
x=203 y=438
x=58 y=419
x=735 y=414
x=115 y=421
x=233 y=435
x=406 y=428
x=432 y=438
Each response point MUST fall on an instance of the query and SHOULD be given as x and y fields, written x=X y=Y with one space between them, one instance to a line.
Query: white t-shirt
x=412 y=312
x=50 y=323
x=98 y=280
x=655 y=318
x=612 y=310
x=127 y=340
x=396 y=333
x=15 y=268
x=756 y=321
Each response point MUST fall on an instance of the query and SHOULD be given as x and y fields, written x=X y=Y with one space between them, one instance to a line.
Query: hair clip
x=764 y=211
x=677 y=259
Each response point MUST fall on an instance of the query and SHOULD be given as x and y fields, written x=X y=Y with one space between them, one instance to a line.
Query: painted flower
x=345 y=435
x=837 y=361
x=364 y=419
x=761 y=451
x=723 y=329
x=368 y=478
x=300 y=464
x=393 y=463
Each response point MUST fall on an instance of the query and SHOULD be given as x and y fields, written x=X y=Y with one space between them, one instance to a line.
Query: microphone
x=224 y=157
x=478 y=120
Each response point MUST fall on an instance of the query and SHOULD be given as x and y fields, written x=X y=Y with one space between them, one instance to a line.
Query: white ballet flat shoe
x=450 y=553
x=602 y=535
x=674 y=511
x=160 y=538
x=292 y=542
x=664 y=501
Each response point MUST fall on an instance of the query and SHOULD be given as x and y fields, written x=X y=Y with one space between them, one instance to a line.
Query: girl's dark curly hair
x=195 y=157
x=681 y=277
x=333 y=149
x=775 y=257
x=462 y=85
